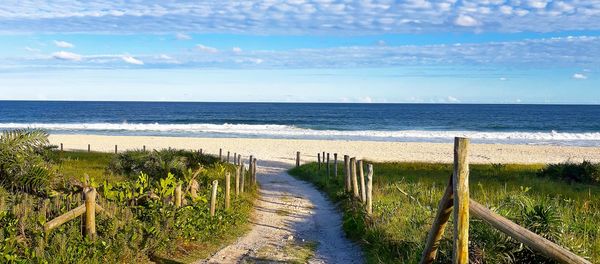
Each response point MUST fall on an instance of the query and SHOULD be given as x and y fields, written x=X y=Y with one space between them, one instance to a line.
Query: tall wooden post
x=61 y=146
x=90 y=213
x=439 y=224
x=227 y=156
x=238 y=169
x=213 y=197
x=319 y=160
x=235 y=158
x=178 y=196
x=239 y=158
x=335 y=165
x=220 y=154
x=297 y=158
x=250 y=167
x=361 y=177
x=242 y=178
x=144 y=148
x=460 y=182
x=116 y=149
x=200 y=151
x=227 y=189
x=254 y=171
x=354 y=178
x=89 y=148
x=347 y=172
x=328 y=169
x=369 y=189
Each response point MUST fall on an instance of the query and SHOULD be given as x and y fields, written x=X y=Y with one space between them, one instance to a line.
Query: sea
x=570 y=125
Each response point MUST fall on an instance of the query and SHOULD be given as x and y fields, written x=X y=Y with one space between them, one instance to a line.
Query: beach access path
x=292 y=220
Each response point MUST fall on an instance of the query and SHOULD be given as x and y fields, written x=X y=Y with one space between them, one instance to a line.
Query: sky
x=412 y=51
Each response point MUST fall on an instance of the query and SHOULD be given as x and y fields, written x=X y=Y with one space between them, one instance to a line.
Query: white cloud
x=182 y=36
x=452 y=99
x=366 y=99
x=579 y=76
x=465 y=21
x=236 y=50
x=30 y=49
x=503 y=79
x=165 y=57
x=65 y=55
x=206 y=49
x=63 y=44
x=132 y=60
x=540 y=4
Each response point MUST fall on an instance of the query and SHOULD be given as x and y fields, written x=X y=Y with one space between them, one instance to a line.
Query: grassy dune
x=406 y=197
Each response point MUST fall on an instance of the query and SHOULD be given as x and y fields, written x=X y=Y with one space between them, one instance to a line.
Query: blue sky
x=416 y=51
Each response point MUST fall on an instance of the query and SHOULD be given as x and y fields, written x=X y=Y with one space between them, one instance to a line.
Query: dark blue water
x=531 y=124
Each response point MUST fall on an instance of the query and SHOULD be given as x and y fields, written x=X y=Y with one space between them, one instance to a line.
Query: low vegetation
x=406 y=196
x=140 y=224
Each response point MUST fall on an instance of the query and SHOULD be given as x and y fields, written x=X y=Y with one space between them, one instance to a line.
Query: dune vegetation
x=141 y=223
x=561 y=202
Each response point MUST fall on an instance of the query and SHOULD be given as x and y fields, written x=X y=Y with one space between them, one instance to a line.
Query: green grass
x=566 y=213
x=73 y=165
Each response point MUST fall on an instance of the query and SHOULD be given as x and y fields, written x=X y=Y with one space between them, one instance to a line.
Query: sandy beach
x=283 y=150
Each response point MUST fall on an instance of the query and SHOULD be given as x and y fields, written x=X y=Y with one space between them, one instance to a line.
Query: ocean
x=575 y=125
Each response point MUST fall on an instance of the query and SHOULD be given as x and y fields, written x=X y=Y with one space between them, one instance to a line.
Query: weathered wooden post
x=178 y=196
x=254 y=171
x=361 y=176
x=347 y=172
x=319 y=160
x=239 y=162
x=144 y=148
x=90 y=213
x=235 y=158
x=220 y=154
x=89 y=148
x=200 y=151
x=213 y=197
x=228 y=157
x=227 y=189
x=354 y=178
x=460 y=188
x=297 y=158
x=335 y=165
x=242 y=178
x=439 y=224
x=238 y=168
x=116 y=149
x=369 y=189
x=328 y=169
x=61 y=146
x=194 y=186
x=250 y=159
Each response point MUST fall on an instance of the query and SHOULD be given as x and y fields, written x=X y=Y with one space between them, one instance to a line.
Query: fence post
x=239 y=162
x=361 y=175
x=347 y=172
x=369 y=189
x=220 y=154
x=319 y=160
x=144 y=148
x=328 y=169
x=116 y=149
x=235 y=158
x=89 y=148
x=242 y=178
x=354 y=178
x=61 y=146
x=178 y=196
x=238 y=168
x=254 y=171
x=250 y=160
x=213 y=197
x=227 y=189
x=90 y=213
x=335 y=165
x=436 y=232
x=297 y=158
x=460 y=188
x=227 y=156
x=200 y=151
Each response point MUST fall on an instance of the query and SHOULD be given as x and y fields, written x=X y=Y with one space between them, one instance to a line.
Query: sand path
x=291 y=219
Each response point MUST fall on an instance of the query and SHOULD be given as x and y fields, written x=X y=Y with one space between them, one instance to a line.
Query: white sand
x=284 y=150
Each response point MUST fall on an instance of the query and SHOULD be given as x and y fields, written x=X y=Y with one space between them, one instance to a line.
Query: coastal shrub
x=158 y=163
x=585 y=172
x=23 y=166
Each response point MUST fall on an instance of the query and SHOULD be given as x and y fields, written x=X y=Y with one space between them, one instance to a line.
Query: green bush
x=585 y=172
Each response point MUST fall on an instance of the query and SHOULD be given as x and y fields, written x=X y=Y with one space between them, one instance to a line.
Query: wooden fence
x=90 y=207
x=456 y=202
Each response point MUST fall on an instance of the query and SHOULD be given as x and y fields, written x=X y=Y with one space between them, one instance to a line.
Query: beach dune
x=284 y=150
